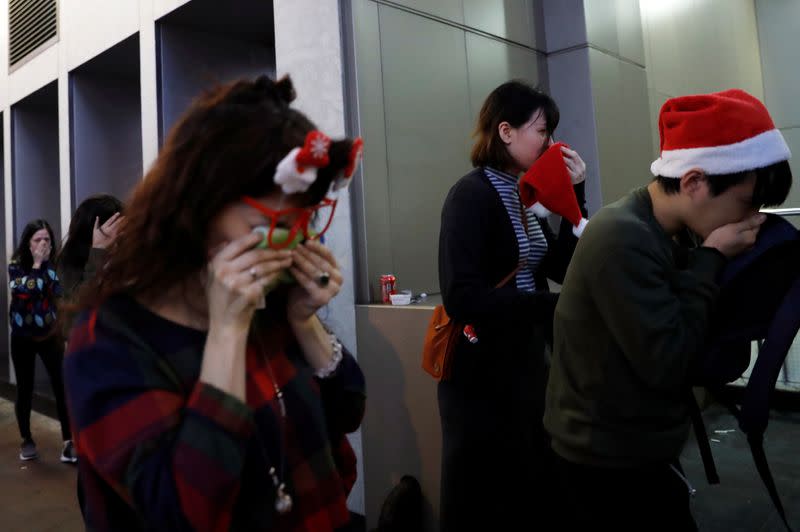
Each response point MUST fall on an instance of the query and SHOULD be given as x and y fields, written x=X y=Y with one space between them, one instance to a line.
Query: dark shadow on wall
x=401 y=431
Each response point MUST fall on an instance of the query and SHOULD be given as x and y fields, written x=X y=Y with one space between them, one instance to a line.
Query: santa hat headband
x=721 y=133
x=297 y=171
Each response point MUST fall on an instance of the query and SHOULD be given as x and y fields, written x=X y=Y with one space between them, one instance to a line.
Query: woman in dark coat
x=495 y=455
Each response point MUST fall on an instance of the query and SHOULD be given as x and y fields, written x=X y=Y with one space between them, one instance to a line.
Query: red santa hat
x=547 y=187
x=721 y=133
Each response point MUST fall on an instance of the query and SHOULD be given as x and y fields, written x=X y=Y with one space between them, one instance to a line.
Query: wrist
x=228 y=330
x=713 y=247
x=333 y=363
x=225 y=360
x=715 y=252
x=300 y=323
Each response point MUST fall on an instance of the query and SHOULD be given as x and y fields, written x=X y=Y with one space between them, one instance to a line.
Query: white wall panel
x=95 y=25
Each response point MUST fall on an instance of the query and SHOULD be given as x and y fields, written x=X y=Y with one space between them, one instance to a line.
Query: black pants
x=23 y=353
x=496 y=456
x=652 y=498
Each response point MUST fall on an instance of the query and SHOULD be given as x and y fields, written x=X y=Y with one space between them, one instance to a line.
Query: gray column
x=597 y=76
x=778 y=27
x=308 y=47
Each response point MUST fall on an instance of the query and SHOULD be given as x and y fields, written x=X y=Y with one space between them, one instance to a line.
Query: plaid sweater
x=160 y=450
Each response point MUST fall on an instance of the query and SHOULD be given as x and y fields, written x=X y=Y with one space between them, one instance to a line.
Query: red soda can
x=387 y=287
x=469 y=332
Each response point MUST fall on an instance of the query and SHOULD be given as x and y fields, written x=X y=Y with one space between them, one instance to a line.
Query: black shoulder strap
x=772 y=353
x=755 y=405
x=756 y=442
x=702 y=440
x=754 y=413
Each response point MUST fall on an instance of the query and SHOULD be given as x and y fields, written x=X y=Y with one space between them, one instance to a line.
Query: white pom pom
x=577 y=230
x=290 y=180
x=540 y=210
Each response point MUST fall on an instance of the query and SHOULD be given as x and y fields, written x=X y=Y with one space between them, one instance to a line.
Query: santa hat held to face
x=547 y=187
x=720 y=133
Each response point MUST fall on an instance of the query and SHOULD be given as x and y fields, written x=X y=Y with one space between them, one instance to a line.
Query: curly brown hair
x=227 y=144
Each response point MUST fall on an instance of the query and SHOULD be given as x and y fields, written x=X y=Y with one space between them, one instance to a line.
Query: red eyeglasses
x=313 y=221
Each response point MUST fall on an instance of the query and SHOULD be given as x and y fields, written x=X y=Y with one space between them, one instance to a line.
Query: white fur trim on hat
x=540 y=210
x=577 y=230
x=290 y=178
x=756 y=152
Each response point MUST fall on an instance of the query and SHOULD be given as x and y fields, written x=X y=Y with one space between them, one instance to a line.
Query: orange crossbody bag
x=441 y=339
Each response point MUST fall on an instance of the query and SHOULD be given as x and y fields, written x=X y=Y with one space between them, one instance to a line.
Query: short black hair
x=773 y=183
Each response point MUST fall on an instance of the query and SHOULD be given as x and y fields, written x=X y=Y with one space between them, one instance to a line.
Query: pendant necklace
x=283 y=501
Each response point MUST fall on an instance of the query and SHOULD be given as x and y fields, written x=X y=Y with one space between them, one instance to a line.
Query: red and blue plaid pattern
x=160 y=450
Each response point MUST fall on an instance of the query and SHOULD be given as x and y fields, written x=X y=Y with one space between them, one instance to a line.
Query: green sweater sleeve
x=657 y=314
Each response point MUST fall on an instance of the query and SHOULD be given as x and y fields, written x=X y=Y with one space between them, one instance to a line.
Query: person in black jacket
x=495 y=453
x=92 y=230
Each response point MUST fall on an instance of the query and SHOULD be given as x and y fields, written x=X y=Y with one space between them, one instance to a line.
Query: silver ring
x=253 y=273
x=324 y=278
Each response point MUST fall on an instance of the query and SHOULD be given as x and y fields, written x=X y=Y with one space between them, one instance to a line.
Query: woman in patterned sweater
x=32 y=313
x=206 y=393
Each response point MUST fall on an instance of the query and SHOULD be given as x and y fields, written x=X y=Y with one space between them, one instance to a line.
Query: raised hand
x=40 y=252
x=237 y=277
x=318 y=280
x=733 y=239
x=104 y=235
x=575 y=165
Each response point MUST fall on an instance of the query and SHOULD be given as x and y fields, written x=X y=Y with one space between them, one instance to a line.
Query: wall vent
x=32 y=27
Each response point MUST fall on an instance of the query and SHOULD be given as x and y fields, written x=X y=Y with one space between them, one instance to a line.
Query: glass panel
x=509 y=19
x=446 y=9
x=426 y=105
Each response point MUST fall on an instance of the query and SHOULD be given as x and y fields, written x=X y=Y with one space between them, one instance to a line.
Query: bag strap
x=755 y=404
x=508 y=277
x=756 y=442
x=523 y=217
x=771 y=356
x=702 y=440
x=512 y=273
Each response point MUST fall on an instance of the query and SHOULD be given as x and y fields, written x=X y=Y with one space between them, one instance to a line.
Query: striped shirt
x=533 y=245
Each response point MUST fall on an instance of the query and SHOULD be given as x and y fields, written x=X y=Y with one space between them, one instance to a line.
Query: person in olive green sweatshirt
x=634 y=310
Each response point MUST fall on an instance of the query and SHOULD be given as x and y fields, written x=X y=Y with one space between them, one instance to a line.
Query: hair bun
x=281 y=90
x=285 y=89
